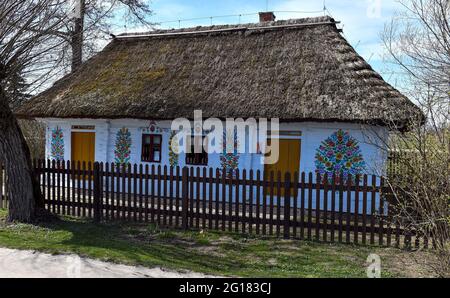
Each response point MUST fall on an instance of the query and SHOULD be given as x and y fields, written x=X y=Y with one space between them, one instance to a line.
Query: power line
x=211 y=18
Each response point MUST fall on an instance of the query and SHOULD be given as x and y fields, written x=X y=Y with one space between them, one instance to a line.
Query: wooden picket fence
x=354 y=210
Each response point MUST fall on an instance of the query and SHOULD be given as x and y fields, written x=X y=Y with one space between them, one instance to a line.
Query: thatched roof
x=295 y=70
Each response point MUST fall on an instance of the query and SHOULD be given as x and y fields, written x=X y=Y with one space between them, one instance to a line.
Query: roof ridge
x=310 y=21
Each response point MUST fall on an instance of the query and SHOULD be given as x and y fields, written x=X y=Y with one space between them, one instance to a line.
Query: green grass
x=208 y=252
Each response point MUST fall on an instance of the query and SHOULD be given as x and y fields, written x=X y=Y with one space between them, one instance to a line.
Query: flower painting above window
x=57 y=144
x=340 y=153
x=122 y=153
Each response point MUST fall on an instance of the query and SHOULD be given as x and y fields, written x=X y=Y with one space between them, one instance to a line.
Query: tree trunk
x=77 y=36
x=23 y=188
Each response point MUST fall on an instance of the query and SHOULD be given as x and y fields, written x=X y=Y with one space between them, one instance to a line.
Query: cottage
x=333 y=108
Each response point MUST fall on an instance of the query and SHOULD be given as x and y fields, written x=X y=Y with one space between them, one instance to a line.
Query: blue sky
x=361 y=20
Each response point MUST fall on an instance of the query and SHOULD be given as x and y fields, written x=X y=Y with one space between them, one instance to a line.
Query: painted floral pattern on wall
x=229 y=158
x=339 y=153
x=57 y=144
x=173 y=150
x=122 y=152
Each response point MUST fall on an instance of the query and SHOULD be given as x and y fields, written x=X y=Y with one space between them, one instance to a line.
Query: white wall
x=312 y=135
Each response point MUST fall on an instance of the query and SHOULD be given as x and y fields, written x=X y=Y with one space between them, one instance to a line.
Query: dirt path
x=31 y=264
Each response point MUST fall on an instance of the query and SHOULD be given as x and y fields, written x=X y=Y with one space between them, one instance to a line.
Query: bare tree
x=40 y=40
x=24 y=40
x=92 y=21
x=418 y=44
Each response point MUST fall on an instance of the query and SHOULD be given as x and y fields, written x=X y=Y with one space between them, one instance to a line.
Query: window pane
x=156 y=155
x=156 y=140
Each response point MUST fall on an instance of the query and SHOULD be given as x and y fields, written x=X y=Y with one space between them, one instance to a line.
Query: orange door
x=83 y=147
x=288 y=161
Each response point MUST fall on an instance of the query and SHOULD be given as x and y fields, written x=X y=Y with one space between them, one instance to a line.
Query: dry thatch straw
x=275 y=70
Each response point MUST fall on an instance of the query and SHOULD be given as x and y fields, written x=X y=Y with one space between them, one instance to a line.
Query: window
x=151 y=148
x=197 y=159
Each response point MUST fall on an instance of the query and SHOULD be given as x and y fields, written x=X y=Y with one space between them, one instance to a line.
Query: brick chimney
x=266 y=17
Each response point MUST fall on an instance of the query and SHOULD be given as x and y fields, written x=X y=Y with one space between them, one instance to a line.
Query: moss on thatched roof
x=295 y=70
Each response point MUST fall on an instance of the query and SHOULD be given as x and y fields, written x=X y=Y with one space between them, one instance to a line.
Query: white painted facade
x=370 y=139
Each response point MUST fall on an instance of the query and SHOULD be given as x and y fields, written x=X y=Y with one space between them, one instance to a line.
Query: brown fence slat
x=42 y=180
x=310 y=189
x=258 y=201
x=264 y=204
x=79 y=189
x=197 y=197
x=107 y=192
x=90 y=188
x=295 y=204
x=333 y=207
x=230 y=202
x=114 y=191
x=224 y=193
x=153 y=194
x=164 y=205
x=54 y=188
x=217 y=197
x=61 y=187
x=185 y=199
x=129 y=193
x=271 y=210
x=123 y=191
x=84 y=189
x=71 y=190
x=349 y=200
x=381 y=213
x=120 y=186
x=278 y=206
x=69 y=187
x=204 y=197
x=372 y=209
x=210 y=198
x=341 y=207
x=356 y=211
x=171 y=196
x=191 y=197
x=202 y=203
x=364 y=211
x=302 y=206
x=244 y=198
x=135 y=194
x=250 y=201
x=147 y=193
x=317 y=213
x=178 y=191
x=158 y=196
x=141 y=193
x=236 y=203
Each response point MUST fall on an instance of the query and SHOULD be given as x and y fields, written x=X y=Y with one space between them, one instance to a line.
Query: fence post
x=185 y=199
x=97 y=192
x=287 y=205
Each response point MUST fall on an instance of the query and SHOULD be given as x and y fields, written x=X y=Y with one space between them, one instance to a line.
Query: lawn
x=208 y=252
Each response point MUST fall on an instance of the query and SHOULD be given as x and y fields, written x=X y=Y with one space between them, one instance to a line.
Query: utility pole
x=76 y=41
